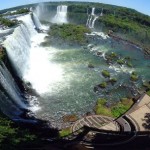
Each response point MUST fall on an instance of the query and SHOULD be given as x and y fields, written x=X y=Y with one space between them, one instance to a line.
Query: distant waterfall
x=40 y=10
x=93 y=22
x=10 y=96
x=101 y=12
x=91 y=19
x=93 y=12
x=61 y=15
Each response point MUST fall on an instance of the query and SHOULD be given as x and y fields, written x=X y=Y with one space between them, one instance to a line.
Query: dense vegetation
x=65 y=132
x=68 y=33
x=148 y=92
x=134 y=76
x=18 y=8
x=130 y=27
x=16 y=136
x=7 y=22
x=126 y=23
x=114 y=110
x=21 y=11
x=18 y=11
x=12 y=137
x=105 y=73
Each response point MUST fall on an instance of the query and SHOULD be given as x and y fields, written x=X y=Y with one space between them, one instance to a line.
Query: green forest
x=126 y=23
x=68 y=33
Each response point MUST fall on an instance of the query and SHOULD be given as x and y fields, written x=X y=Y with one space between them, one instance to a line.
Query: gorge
x=62 y=77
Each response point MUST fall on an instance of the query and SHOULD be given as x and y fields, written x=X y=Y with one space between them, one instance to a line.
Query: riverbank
x=145 y=49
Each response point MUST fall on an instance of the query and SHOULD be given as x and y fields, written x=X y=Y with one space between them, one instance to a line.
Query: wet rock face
x=90 y=66
x=99 y=53
x=2 y=52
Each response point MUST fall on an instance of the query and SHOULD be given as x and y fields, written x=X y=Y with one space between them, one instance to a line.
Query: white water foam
x=123 y=68
x=100 y=34
x=42 y=73
x=36 y=21
x=40 y=10
x=30 y=60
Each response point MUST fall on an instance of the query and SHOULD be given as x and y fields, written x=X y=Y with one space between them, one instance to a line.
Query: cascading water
x=91 y=19
x=11 y=100
x=61 y=15
x=6 y=32
x=93 y=12
x=40 y=10
x=87 y=23
x=43 y=12
x=93 y=22
x=36 y=21
x=42 y=74
x=31 y=61
x=101 y=13
x=17 y=49
x=18 y=45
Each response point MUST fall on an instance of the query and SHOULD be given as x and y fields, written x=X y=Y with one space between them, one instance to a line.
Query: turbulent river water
x=73 y=90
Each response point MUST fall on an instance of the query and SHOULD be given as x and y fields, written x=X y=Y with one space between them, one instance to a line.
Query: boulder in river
x=70 y=118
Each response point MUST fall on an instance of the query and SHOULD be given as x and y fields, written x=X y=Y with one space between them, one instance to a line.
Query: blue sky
x=140 y=5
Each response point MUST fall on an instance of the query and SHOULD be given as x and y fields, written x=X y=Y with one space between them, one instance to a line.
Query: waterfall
x=93 y=22
x=6 y=32
x=101 y=12
x=91 y=19
x=43 y=12
x=10 y=96
x=61 y=15
x=19 y=43
x=87 y=23
x=40 y=10
x=36 y=21
x=30 y=60
x=93 y=12
x=18 y=47
x=31 y=63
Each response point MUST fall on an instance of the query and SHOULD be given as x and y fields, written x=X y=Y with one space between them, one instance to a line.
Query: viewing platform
x=101 y=131
x=139 y=113
x=96 y=121
x=137 y=118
